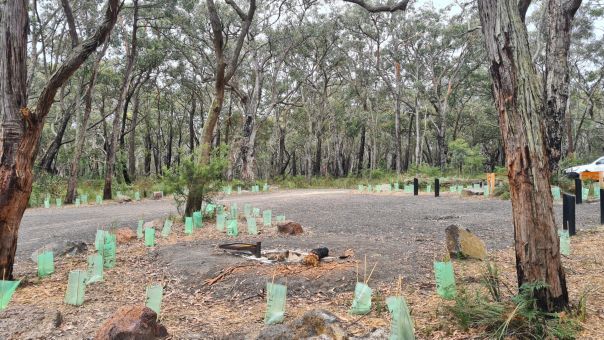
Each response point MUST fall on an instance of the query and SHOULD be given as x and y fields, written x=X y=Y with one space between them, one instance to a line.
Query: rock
x=347 y=253
x=29 y=322
x=61 y=248
x=290 y=228
x=123 y=199
x=132 y=322
x=461 y=242
x=315 y=324
x=124 y=235
x=471 y=192
x=157 y=195
x=376 y=334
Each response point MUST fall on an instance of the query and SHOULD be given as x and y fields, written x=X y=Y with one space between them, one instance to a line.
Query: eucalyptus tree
x=21 y=127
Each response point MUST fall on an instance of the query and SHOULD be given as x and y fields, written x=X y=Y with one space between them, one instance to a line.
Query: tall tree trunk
x=20 y=128
x=191 y=120
x=47 y=162
x=361 y=153
x=82 y=125
x=318 y=155
x=113 y=143
x=518 y=93
x=148 y=149
x=560 y=15
x=132 y=138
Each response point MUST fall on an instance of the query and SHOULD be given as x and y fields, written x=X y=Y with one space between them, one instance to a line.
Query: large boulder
x=315 y=324
x=132 y=323
x=125 y=235
x=61 y=248
x=289 y=228
x=462 y=243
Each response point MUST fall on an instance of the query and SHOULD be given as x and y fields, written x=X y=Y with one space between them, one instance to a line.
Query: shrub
x=191 y=178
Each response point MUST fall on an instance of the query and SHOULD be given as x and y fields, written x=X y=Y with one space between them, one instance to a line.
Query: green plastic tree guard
x=95 y=269
x=585 y=195
x=137 y=196
x=46 y=264
x=60 y=202
x=265 y=187
x=232 y=229
x=247 y=209
x=360 y=188
x=220 y=209
x=280 y=218
x=267 y=218
x=276 y=295
x=556 y=193
x=234 y=211
x=149 y=237
x=361 y=303
x=77 y=202
x=167 y=228
x=369 y=188
x=256 y=212
x=197 y=219
x=139 y=229
x=210 y=209
x=485 y=191
x=154 y=294
x=99 y=240
x=429 y=188
x=109 y=250
x=46 y=204
x=220 y=221
x=564 y=242
x=238 y=190
x=445 y=279
x=76 y=287
x=188 y=225
x=396 y=186
x=84 y=199
x=99 y=199
x=401 y=327
x=252 y=229
x=7 y=289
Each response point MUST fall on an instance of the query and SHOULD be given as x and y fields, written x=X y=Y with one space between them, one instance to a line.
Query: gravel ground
x=401 y=233
x=42 y=226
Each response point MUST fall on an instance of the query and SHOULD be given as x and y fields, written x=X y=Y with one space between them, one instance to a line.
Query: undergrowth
x=517 y=317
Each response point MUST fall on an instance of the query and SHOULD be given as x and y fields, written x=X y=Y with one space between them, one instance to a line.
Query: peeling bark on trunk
x=518 y=93
x=20 y=128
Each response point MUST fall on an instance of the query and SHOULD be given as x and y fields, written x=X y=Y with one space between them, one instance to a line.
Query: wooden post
x=436 y=187
x=491 y=182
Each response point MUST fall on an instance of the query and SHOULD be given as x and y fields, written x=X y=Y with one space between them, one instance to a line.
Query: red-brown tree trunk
x=20 y=128
x=518 y=92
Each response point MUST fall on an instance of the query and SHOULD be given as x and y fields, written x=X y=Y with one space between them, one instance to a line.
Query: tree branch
x=76 y=59
x=400 y=6
x=523 y=6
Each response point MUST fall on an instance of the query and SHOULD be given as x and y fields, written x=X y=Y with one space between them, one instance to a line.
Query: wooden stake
x=371 y=273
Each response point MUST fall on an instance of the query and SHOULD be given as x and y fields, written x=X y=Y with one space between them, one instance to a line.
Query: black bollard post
x=565 y=198
x=415 y=187
x=437 y=188
x=571 y=217
x=578 y=191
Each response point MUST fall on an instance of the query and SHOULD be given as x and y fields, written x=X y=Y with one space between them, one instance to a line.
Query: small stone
x=315 y=324
x=461 y=242
x=132 y=322
x=125 y=235
x=122 y=199
x=157 y=195
x=61 y=248
x=289 y=228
